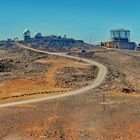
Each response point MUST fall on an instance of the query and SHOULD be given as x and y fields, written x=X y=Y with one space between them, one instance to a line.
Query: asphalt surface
x=99 y=79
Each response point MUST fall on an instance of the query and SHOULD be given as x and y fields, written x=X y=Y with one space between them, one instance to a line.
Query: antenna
x=90 y=40
x=104 y=103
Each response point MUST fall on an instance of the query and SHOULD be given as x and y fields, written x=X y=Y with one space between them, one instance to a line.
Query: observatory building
x=27 y=35
x=120 y=38
x=120 y=35
x=38 y=35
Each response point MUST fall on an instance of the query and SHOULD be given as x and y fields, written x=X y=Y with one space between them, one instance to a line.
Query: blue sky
x=79 y=19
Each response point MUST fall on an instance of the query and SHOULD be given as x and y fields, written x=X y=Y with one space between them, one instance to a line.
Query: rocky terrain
x=71 y=77
x=16 y=62
x=109 y=112
x=123 y=70
x=27 y=74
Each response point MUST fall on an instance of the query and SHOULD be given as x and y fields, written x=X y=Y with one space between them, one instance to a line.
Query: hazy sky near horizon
x=78 y=19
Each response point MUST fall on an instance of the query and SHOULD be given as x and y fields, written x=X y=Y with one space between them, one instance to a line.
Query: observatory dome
x=27 y=32
x=38 y=35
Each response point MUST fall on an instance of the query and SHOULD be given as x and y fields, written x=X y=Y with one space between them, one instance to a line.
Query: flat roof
x=113 y=30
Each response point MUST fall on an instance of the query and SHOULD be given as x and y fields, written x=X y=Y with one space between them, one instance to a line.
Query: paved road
x=100 y=78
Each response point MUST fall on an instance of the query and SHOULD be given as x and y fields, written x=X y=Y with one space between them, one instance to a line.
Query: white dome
x=38 y=34
x=27 y=32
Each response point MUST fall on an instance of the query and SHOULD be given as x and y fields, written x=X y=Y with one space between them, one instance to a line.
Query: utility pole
x=104 y=107
x=90 y=40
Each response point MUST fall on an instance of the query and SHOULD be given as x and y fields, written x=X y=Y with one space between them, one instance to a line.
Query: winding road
x=99 y=79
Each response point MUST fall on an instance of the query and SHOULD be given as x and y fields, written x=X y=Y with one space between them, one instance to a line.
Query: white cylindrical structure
x=27 y=35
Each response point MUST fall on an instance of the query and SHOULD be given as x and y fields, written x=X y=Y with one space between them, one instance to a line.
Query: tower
x=27 y=35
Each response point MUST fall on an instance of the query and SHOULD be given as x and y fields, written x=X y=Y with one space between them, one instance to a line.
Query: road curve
x=99 y=79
